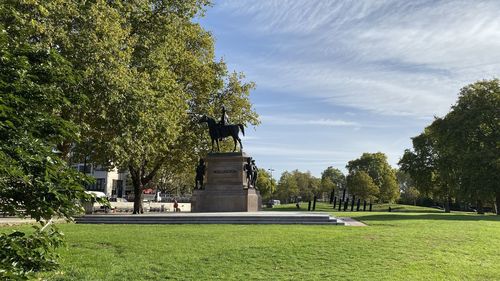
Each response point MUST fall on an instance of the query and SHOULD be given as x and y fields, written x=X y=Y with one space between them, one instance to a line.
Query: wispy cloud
x=389 y=57
x=352 y=76
x=279 y=120
x=296 y=152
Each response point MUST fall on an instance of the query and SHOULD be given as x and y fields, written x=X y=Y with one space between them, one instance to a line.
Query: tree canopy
x=121 y=83
x=457 y=156
x=297 y=185
x=145 y=72
x=265 y=183
x=34 y=180
x=382 y=174
x=332 y=179
x=361 y=185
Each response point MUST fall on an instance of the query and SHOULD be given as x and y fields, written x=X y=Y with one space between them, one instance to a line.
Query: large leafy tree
x=147 y=72
x=457 y=155
x=473 y=134
x=333 y=179
x=361 y=185
x=430 y=166
x=265 y=183
x=409 y=193
x=34 y=181
x=382 y=174
x=288 y=188
x=295 y=184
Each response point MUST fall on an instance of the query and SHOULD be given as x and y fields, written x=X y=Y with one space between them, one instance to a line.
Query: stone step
x=191 y=218
x=209 y=222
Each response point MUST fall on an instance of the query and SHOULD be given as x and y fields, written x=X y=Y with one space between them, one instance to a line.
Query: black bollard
x=332 y=195
x=309 y=206
x=357 y=205
x=390 y=209
x=364 y=205
x=346 y=204
x=352 y=203
x=370 y=206
x=334 y=201
x=314 y=203
x=340 y=205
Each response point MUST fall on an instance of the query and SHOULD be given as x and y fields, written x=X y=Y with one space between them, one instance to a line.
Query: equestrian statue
x=221 y=130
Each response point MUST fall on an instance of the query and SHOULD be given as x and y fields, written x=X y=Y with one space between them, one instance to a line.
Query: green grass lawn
x=395 y=246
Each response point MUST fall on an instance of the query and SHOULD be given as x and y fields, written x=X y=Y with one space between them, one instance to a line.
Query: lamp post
x=271 y=170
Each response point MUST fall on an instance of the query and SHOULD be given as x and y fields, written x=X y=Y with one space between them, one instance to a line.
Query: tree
x=430 y=167
x=332 y=179
x=265 y=183
x=409 y=193
x=34 y=181
x=457 y=155
x=389 y=190
x=419 y=164
x=377 y=167
x=287 y=189
x=473 y=131
x=294 y=185
x=147 y=72
x=361 y=185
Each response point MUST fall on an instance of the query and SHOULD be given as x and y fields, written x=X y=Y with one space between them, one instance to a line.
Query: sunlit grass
x=395 y=246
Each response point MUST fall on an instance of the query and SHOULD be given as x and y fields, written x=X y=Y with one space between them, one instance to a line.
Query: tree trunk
x=140 y=179
x=480 y=210
x=497 y=203
x=138 y=187
x=138 y=200
x=447 y=204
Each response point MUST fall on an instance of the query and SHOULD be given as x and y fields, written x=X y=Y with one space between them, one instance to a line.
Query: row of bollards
x=344 y=204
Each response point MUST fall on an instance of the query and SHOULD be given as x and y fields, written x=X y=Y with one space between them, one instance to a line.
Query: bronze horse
x=218 y=131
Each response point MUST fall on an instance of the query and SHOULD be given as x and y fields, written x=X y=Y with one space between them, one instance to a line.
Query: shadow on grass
x=397 y=210
x=286 y=209
x=326 y=207
x=442 y=216
x=330 y=209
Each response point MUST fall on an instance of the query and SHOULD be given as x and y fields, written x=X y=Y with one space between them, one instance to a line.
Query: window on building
x=117 y=188
x=101 y=168
x=99 y=185
x=87 y=168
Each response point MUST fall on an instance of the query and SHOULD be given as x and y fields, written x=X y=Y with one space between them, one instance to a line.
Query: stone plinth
x=225 y=187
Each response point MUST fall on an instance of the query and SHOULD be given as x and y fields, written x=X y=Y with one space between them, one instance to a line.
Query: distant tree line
x=455 y=162
x=369 y=177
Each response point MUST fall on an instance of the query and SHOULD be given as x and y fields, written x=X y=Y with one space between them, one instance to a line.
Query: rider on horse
x=224 y=120
x=220 y=130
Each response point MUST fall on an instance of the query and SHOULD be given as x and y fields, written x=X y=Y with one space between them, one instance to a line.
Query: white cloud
x=297 y=152
x=385 y=67
x=389 y=57
x=271 y=119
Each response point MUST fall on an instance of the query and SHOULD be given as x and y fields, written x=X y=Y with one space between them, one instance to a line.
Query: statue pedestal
x=225 y=187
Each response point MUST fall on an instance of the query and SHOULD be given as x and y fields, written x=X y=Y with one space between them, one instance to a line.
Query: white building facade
x=112 y=182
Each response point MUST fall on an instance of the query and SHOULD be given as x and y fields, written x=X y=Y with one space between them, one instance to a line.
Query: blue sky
x=339 y=78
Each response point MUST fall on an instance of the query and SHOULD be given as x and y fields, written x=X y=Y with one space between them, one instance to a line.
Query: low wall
x=148 y=206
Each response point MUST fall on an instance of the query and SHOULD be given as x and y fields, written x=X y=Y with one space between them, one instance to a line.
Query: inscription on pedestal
x=225 y=171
